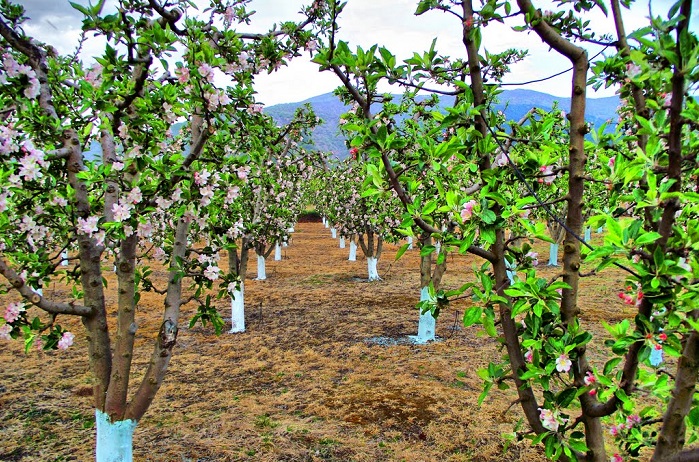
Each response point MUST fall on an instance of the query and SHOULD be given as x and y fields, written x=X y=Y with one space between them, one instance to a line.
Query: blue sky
x=389 y=23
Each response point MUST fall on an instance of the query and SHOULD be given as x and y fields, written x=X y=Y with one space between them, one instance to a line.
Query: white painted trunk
x=325 y=222
x=588 y=234
x=427 y=324
x=353 y=251
x=511 y=271
x=333 y=233
x=438 y=247
x=64 y=258
x=342 y=242
x=553 y=255
x=261 y=270
x=238 y=310
x=39 y=291
x=285 y=244
x=277 y=252
x=114 y=439
x=600 y=230
x=371 y=263
x=291 y=230
x=410 y=242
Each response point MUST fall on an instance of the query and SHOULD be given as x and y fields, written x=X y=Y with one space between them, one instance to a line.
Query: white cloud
x=363 y=22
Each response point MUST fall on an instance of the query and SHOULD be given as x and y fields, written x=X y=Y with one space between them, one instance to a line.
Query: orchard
x=135 y=184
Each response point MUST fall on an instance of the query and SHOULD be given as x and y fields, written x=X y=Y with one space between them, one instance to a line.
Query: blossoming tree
x=566 y=399
x=264 y=195
x=147 y=194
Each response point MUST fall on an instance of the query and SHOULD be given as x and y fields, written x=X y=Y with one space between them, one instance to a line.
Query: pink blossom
x=163 y=203
x=311 y=45
x=534 y=257
x=207 y=193
x=118 y=166
x=529 y=355
x=616 y=429
x=211 y=272
x=12 y=311
x=160 y=255
x=500 y=159
x=5 y=330
x=59 y=201
x=121 y=211
x=182 y=74
x=88 y=226
x=29 y=169
x=550 y=419
x=232 y=194
x=66 y=340
x=34 y=88
x=611 y=162
x=145 y=229
x=134 y=196
x=589 y=378
x=201 y=178
x=563 y=363
x=243 y=172
x=633 y=419
x=206 y=71
x=3 y=202
x=547 y=175
x=176 y=195
x=632 y=70
x=616 y=458
x=667 y=99
x=467 y=210
x=254 y=109
x=94 y=76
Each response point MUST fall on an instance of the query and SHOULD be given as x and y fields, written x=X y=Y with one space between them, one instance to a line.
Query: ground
x=314 y=378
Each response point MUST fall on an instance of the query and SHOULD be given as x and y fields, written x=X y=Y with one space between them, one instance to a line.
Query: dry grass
x=303 y=383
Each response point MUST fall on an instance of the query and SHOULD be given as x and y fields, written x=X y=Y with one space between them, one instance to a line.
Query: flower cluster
x=551 y=419
x=13 y=69
x=631 y=296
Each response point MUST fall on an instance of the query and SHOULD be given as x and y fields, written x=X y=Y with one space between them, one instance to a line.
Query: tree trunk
x=238 y=265
x=114 y=440
x=372 y=263
x=238 y=310
x=553 y=255
x=277 y=252
x=352 y=251
x=427 y=324
x=342 y=242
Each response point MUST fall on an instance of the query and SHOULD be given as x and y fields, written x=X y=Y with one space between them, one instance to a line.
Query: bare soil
x=323 y=373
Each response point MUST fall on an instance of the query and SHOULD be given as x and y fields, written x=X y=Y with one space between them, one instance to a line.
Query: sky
x=388 y=23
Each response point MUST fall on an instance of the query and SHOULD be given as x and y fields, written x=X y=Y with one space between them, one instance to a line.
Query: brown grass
x=304 y=383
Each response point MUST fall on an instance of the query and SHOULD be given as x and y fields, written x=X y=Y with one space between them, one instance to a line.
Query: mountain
x=514 y=103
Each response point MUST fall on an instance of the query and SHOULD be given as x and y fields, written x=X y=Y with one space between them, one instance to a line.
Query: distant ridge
x=514 y=103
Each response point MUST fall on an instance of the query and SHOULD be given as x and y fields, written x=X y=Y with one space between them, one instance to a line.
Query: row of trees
x=187 y=169
x=459 y=180
x=499 y=174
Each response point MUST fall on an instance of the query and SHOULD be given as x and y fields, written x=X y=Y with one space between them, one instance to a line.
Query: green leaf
x=610 y=365
x=488 y=217
x=422 y=7
x=489 y=324
x=402 y=250
x=472 y=316
x=647 y=238
x=566 y=397
x=426 y=250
